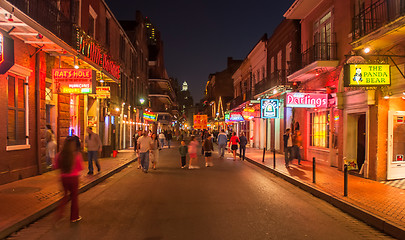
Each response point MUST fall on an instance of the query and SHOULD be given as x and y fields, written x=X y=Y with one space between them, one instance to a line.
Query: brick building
x=70 y=36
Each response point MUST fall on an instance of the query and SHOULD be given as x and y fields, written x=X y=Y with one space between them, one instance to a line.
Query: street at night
x=309 y=93
x=231 y=200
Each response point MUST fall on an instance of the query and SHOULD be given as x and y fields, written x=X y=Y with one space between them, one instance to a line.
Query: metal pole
x=345 y=181
x=313 y=170
x=274 y=158
x=264 y=153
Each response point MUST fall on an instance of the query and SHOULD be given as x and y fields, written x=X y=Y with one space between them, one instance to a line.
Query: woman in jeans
x=70 y=163
x=154 y=153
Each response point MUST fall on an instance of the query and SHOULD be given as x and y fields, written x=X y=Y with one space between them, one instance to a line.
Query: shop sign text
x=77 y=81
x=91 y=49
x=307 y=100
x=367 y=75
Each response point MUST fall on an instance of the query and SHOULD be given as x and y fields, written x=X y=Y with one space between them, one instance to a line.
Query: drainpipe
x=38 y=112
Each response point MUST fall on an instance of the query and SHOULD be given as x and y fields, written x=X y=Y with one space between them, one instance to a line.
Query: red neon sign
x=89 y=48
x=79 y=81
x=307 y=100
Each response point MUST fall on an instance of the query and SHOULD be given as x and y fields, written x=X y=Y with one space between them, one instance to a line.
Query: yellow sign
x=103 y=92
x=367 y=75
x=200 y=121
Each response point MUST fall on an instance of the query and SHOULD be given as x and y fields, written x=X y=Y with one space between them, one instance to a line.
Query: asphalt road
x=231 y=200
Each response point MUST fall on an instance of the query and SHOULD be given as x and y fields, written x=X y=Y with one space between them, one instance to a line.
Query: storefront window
x=16 y=111
x=319 y=129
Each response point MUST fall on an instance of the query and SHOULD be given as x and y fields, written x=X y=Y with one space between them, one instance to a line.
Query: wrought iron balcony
x=376 y=16
x=320 y=51
x=49 y=16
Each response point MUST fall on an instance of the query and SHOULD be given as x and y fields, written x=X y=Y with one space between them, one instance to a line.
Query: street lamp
x=141 y=100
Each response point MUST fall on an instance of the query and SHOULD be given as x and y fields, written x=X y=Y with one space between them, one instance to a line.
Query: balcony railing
x=375 y=16
x=50 y=17
x=236 y=102
x=277 y=78
x=321 y=51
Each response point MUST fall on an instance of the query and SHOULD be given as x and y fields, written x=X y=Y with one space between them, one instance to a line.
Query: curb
x=7 y=231
x=371 y=219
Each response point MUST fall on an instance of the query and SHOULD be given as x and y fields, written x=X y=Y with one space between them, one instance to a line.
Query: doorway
x=355 y=143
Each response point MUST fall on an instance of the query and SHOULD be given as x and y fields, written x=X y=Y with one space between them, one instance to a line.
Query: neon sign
x=307 y=100
x=94 y=51
x=236 y=117
x=79 y=81
x=269 y=108
x=150 y=116
x=103 y=92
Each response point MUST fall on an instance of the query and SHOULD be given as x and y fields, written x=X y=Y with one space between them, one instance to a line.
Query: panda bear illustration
x=357 y=76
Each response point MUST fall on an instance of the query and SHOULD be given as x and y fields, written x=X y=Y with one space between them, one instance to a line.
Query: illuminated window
x=319 y=129
x=17 y=103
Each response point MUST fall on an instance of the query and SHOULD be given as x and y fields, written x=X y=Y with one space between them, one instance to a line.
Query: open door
x=396 y=145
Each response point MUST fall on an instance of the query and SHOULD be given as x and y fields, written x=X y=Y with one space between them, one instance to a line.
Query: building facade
x=69 y=64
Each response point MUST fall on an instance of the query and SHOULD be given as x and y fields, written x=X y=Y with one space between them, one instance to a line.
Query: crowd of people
x=147 y=146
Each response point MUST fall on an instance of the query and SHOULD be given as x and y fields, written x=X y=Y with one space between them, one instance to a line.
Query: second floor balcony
x=322 y=56
x=47 y=14
x=375 y=16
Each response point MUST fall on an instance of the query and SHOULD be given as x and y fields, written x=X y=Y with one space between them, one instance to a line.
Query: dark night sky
x=199 y=35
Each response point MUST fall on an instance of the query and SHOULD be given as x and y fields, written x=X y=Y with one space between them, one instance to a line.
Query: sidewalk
x=24 y=201
x=379 y=205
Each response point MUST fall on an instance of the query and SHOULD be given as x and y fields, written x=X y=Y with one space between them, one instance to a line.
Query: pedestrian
x=154 y=153
x=297 y=143
x=222 y=141
x=162 y=139
x=70 y=163
x=77 y=140
x=94 y=147
x=145 y=144
x=183 y=153
x=242 y=146
x=288 y=144
x=50 y=151
x=138 y=135
x=192 y=151
x=233 y=144
x=169 y=138
x=208 y=148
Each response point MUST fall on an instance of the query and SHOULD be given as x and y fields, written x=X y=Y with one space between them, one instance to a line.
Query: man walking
x=222 y=141
x=145 y=144
x=162 y=139
x=169 y=138
x=288 y=145
x=242 y=146
x=297 y=142
x=94 y=147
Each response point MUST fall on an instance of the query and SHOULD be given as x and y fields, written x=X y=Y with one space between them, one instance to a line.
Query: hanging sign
x=95 y=52
x=6 y=52
x=79 y=81
x=367 y=75
x=200 y=121
x=150 y=116
x=103 y=92
x=236 y=117
x=306 y=100
x=269 y=108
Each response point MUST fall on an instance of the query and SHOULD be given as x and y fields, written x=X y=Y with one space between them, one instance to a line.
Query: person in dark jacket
x=242 y=146
x=288 y=145
x=169 y=138
x=208 y=148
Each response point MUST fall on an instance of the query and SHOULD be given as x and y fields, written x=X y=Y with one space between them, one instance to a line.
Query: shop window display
x=319 y=129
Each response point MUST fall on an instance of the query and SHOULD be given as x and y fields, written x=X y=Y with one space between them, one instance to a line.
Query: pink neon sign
x=307 y=100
